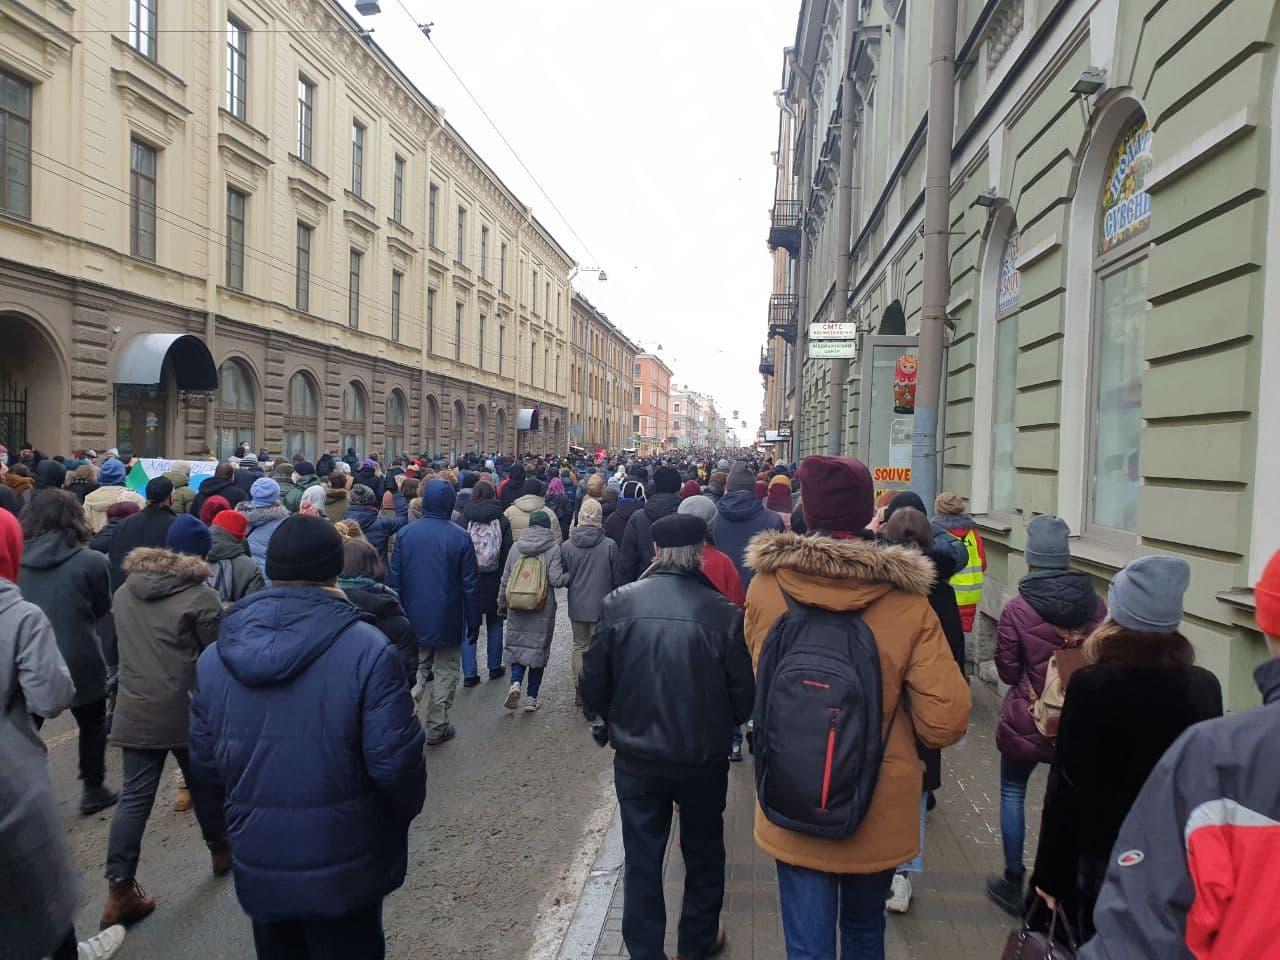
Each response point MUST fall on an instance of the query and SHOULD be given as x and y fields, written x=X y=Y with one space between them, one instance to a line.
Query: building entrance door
x=13 y=412
x=140 y=423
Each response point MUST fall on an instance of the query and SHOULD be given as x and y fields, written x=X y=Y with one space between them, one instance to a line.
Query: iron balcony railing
x=784 y=229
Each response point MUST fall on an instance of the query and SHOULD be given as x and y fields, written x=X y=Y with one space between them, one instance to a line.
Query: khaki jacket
x=922 y=683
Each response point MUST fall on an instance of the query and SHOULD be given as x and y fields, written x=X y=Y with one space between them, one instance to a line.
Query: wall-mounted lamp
x=989 y=198
x=1092 y=79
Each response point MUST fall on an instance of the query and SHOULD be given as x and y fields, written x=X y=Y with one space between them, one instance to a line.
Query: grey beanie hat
x=741 y=477
x=362 y=496
x=704 y=508
x=1047 y=543
x=1147 y=594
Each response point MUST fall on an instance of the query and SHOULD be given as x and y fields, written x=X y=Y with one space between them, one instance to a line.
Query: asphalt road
x=516 y=807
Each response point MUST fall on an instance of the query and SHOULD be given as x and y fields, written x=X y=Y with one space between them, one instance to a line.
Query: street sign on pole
x=833 y=349
x=834 y=330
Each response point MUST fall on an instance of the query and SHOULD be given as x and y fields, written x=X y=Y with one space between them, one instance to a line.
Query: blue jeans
x=1014 y=775
x=470 y=653
x=815 y=904
x=916 y=863
x=535 y=678
x=645 y=804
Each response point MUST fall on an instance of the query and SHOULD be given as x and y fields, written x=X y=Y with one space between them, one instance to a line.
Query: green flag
x=137 y=478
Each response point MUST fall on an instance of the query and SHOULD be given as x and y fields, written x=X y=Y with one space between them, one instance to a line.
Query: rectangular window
x=502 y=268
x=433 y=195
x=237 y=67
x=1004 y=427
x=306 y=110
x=484 y=253
x=457 y=332
x=357 y=159
x=546 y=300
x=235 y=239
x=533 y=349
x=1119 y=360
x=480 y=348
x=397 y=189
x=533 y=293
x=635 y=395
x=142 y=27
x=431 y=321
x=502 y=349
x=396 y=277
x=546 y=365
x=353 y=291
x=15 y=145
x=559 y=296
x=635 y=370
x=635 y=423
x=302 y=272
x=462 y=233
x=142 y=200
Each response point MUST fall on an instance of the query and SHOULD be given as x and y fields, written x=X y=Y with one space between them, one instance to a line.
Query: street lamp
x=604 y=277
x=368 y=8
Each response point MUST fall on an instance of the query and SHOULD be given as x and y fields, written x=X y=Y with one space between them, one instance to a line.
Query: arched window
x=431 y=428
x=1119 y=324
x=355 y=418
x=1004 y=427
x=482 y=427
x=458 y=427
x=233 y=414
x=301 y=417
x=395 y=424
x=499 y=429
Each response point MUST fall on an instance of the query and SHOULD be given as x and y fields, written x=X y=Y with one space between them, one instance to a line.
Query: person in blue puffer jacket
x=318 y=807
x=377 y=528
x=742 y=516
x=434 y=570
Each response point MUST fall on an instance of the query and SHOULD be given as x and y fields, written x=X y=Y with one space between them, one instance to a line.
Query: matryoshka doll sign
x=904 y=384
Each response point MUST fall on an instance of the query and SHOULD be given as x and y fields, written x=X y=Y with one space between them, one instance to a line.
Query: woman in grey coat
x=593 y=566
x=72 y=585
x=528 y=632
x=38 y=889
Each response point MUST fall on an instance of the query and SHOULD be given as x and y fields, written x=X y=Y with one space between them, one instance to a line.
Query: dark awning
x=142 y=361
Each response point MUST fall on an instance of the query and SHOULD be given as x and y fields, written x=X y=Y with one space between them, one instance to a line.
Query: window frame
x=137 y=204
x=357 y=158
x=235 y=247
x=301 y=272
x=397 y=281
x=239 y=419
x=483 y=317
x=462 y=235
x=295 y=422
x=143 y=36
x=237 y=53
x=484 y=251
x=502 y=267
x=1004 y=319
x=397 y=189
x=306 y=119
x=433 y=204
x=355 y=263
x=458 y=308
x=8 y=120
x=431 y=321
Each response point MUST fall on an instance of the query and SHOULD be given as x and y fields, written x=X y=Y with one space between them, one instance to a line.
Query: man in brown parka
x=825 y=885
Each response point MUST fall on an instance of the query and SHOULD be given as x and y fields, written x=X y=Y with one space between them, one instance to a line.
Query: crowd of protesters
x=206 y=619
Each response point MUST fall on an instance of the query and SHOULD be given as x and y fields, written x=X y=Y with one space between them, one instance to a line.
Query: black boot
x=1005 y=890
x=93 y=799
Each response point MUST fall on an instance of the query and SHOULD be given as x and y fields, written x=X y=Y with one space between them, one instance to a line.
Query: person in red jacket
x=1192 y=872
x=719 y=569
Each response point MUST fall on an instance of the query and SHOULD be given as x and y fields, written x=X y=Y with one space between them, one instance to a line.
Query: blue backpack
x=818 y=714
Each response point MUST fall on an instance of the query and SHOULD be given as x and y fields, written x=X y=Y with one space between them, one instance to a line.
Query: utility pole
x=937 y=236
x=844 y=231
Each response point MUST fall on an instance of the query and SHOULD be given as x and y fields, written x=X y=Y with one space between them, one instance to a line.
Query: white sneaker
x=103 y=946
x=513 y=697
x=899 y=894
x=531 y=705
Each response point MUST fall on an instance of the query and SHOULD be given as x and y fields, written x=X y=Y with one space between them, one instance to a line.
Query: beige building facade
x=238 y=221
x=600 y=380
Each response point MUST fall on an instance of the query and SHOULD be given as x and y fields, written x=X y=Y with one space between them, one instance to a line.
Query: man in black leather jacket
x=669 y=672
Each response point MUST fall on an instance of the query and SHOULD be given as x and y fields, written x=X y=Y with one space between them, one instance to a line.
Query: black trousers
x=356 y=936
x=646 y=805
x=92 y=721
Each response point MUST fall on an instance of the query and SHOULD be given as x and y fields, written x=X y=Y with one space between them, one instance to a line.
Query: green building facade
x=1112 y=225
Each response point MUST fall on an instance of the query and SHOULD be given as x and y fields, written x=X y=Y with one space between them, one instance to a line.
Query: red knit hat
x=837 y=494
x=690 y=489
x=212 y=507
x=234 y=522
x=779 y=497
x=1266 y=594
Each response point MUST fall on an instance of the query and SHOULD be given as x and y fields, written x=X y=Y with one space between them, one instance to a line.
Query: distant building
x=602 y=359
x=650 y=392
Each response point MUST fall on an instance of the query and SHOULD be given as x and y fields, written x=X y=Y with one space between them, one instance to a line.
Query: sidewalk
x=950 y=916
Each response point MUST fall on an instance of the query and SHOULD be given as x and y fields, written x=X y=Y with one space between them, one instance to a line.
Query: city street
x=516 y=807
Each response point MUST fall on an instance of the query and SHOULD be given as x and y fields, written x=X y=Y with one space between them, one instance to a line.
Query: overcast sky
x=650 y=125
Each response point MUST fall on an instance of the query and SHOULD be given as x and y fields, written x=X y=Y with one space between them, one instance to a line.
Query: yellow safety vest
x=968 y=582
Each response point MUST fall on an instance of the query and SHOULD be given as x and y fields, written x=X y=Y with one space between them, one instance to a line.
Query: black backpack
x=819 y=704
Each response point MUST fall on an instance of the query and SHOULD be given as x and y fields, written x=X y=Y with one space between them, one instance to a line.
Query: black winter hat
x=50 y=475
x=305 y=549
x=666 y=480
x=679 y=530
x=304 y=468
x=159 y=489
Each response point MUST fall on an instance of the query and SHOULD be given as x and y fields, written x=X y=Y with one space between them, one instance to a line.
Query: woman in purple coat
x=1054 y=606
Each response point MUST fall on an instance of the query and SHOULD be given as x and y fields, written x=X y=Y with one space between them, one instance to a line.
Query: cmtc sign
x=841 y=330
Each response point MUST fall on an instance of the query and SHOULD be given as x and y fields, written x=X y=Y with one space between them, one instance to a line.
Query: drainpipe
x=937 y=281
x=844 y=231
